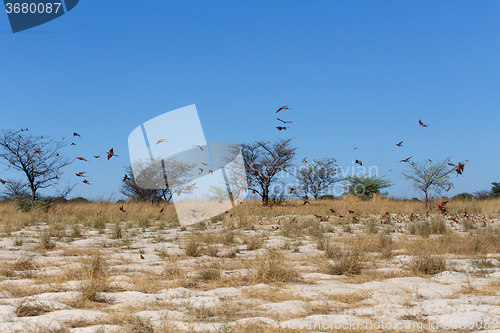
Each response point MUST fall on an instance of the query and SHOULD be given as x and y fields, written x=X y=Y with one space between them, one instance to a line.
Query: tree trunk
x=426 y=200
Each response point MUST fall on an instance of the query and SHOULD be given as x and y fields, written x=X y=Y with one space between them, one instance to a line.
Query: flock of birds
x=458 y=168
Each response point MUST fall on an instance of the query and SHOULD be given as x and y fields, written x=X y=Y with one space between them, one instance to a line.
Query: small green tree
x=365 y=187
x=428 y=177
x=495 y=189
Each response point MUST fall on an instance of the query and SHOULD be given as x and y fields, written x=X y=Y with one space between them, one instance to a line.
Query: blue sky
x=354 y=74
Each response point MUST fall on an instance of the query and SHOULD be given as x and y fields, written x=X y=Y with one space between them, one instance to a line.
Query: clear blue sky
x=354 y=74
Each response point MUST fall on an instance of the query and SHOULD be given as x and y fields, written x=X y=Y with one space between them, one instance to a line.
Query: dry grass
x=239 y=257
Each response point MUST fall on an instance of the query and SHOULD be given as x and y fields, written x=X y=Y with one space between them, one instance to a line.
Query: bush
x=24 y=204
x=78 y=200
x=462 y=196
x=327 y=197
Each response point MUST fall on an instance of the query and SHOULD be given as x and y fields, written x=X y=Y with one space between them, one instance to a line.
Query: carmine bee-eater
x=281 y=128
x=81 y=159
x=161 y=140
x=285 y=107
x=422 y=124
x=406 y=160
x=111 y=154
x=359 y=162
x=399 y=144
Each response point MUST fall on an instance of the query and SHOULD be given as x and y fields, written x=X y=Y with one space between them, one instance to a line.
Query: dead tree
x=38 y=157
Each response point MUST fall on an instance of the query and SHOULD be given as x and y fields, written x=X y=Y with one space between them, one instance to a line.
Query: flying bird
x=422 y=124
x=201 y=171
x=142 y=257
x=190 y=186
x=204 y=163
x=111 y=154
x=281 y=128
x=161 y=211
x=291 y=190
x=285 y=107
x=399 y=144
x=210 y=172
x=406 y=160
x=448 y=189
x=284 y=122
x=304 y=160
x=125 y=178
x=121 y=209
x=2 y=181
x=37 y=151
x=97 y=156
x=80 y=174
x=161 y=140
x=76 y=134
x=359 y=162
x=306 y=202
x=86 y=182
x=82 y=159
x=460 y=168
x=198 y=147
x=73 y=144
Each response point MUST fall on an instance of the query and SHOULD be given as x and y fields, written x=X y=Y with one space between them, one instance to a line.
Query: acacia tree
x=14 y=188
x=147 y=180
x=38 y=157
x=428 y=177
x=365 y=187
x=316 y=178
x=264 y=161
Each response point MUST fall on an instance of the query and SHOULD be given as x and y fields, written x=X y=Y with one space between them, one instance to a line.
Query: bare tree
x=428 y=177
x=316 y=178
x=36 y=156
x=15 y=188
x=264 y=161
x=150 y=179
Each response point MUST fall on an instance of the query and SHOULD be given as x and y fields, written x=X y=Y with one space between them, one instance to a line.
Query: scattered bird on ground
x=422 y=124
x=125 y=178
x=359 y=162
x=198 y=147
x=80 y=174
x=285 y=107
x=86 y=182
x=76 y=134
x=442 y=207
x=351 y=211
x=161 y=140
x=2 y=181
x=306 y=202
x=281 y=128
x=406 y=160
x=399 y=144
x=284 y=122
x=304 y=160
x=111 y=154
x=332 y=210
x=142 y=257
x=82 y=159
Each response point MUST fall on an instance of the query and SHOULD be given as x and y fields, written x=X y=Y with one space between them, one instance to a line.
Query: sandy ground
x=465 y=294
